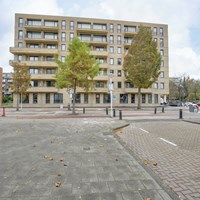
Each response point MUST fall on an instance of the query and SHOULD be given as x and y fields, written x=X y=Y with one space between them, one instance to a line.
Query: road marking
x=168 y=142
x=144 y=130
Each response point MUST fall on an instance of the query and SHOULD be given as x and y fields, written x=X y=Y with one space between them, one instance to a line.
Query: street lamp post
x=111 y=94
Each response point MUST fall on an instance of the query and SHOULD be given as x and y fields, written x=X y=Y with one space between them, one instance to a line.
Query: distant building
x=39 y=38
x=1 y=77
x=7 y=80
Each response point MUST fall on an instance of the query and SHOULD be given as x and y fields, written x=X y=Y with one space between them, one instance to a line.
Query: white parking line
x=168 y=142
x=144 y=130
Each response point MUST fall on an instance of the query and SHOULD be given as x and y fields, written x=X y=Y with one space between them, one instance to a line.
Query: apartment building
x=38 y=38
x=1 y=77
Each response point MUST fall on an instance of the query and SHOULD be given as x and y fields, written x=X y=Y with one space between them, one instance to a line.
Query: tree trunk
x=17 y=109
x=139 y=97
x=74 y=98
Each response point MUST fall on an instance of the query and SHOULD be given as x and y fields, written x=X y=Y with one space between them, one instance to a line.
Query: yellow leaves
x=148 y=198
x=61 y=159
x=48 y=157
x=153 y=163
x=57 y=184
x=145 y=162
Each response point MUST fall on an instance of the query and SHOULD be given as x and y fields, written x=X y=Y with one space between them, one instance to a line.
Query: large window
x=143 y=98
x=111 y=28
x=51 y=23
x=119 y=73
x=63 y=47
x=20 y=34
x=34 y=58
x=71 y=25
x=35 y=98
x=119 y=61
x=161 y=42
x=58 y=98
x=106 y=98
x=118 y=28
x=50 y=83
x=99 y=84
x=33 y=71
x=119 y=40
x=78 y=98
x=162 y=85
x=119 y=84
x=162 y=52
x=111 y=39
x=161 y=74
x=123 y=98
x=156 y=85
x=63 y=36
x=20 y=22
x=155 y=98
x=85 y=98
x=71 y=36
x=111 y=49
x=34 y=83
x=149 y=98
x=111 y=61
x=161 y=32
x=47 y=98
x=63 y=25
x=155 y=31
x=119 y=50
x=97 y=98
x=26 y=98
x=132 y=98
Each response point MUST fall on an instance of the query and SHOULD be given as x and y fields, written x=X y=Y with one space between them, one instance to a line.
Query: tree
x=21 y=81
x=78 y=70
x=142 y=62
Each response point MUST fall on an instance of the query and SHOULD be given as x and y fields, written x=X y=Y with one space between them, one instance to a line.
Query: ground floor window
x=123 y=98
x=85 y=98
x=78 y=98
x=47 y=98
x=58 y=98
x=35 y=98
x=149 y=98
x=25 y=98
x=106 y=98
x=97 y=98
x=132 y=98
x=143 y=98
x=155 y=98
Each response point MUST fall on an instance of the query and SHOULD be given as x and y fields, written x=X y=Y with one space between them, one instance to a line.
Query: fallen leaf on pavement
x=145 y=162
x=61 y=159
x=48 y=157
x=154 y=163
x=148 y=198
x=57 y=184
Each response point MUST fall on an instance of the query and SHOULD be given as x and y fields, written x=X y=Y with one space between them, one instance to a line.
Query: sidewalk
x=70 y=159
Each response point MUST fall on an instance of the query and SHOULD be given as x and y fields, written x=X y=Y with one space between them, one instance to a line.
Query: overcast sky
x=182 y=17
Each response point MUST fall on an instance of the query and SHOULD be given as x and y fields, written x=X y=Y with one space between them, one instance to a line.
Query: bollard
x=163 y=109
x=4 y=112
x=83 y=110
x=180 y=114
x=155 y=110
x=120 y=114
x=114 y=114
x=106 y=111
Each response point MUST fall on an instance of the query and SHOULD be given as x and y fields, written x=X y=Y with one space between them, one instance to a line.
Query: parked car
x=198 y=104
x=175 y=103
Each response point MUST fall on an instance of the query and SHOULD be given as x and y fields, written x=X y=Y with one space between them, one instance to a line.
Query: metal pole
x=180 y=114
x=111 y=102
x=163 y=109
x=106 y=111
x=4 y=112
x=155 y=110
x=83 y=110
x=120 y=114
x=21 y=100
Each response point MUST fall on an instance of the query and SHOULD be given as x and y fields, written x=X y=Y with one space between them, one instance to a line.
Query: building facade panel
x=1 y=80
x=38 y=38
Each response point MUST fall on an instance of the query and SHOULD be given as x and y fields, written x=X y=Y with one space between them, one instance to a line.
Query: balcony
x=42 y=89
x=33 y=63
x=40 y=26
x=99 y=53
x=130 y=30
x=43 y=77
x=41 y=39
x=101 y=78
x=36 y=51
x=92 y=29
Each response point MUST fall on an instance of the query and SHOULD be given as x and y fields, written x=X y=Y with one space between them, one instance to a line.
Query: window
x=106 y=98
x=162 y=52
x=155 y=98
x=50 y=58
x=129 y=85
x=34 y=83
x=119 y=61
x=50 y=83
x=111 y=28
x=111 y=49
x=47 y=98
x=118 y=28
x=78 y=98
x=101 y=60
x=155 y=40
x=129 y=28
x=99 y=84
x=149 y=98
x=161 y=32
x=63 y=59
x=119 y=73
x=71 y=25
x=111 y=61
x=58 y=98
x=20 y=22
x=155 y=31
x=119 y=84
x=97 y=98
x=112 y=71
x=156 y=85
x=35 y=98
x=33 y=71
x=71 y=36
x=51 y=36
x=162 y=85
x=85 y=98
x=162 y=63
x=34 y=46
x=34 y=22
x=63 y=47
x=99 y=48
x=63 y=25
x=123 y=98
x=50 y=71
x=132 y=98
x=20 y=44
x=51 y=23
x=161 y=42
x=20 y=34
x=161 y=74
x=119 y=40
x=63 y=36
x=111 y=39
x=143 y=98
x=20 y=57
x=26 y=98
x=51 y=46
x=119 y=50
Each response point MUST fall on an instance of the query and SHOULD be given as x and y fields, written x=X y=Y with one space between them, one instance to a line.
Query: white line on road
x=144 y=130
x=168 y=142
